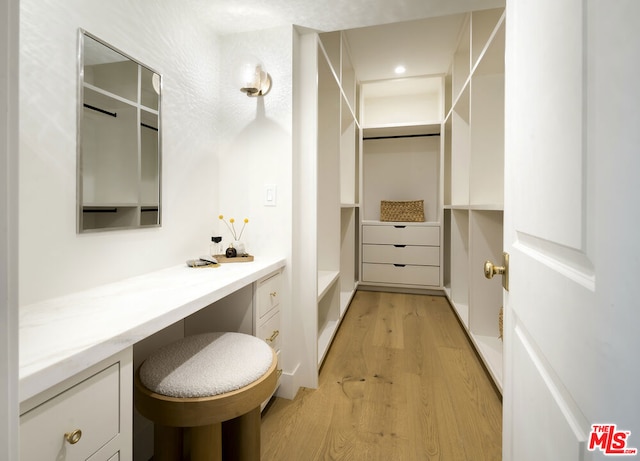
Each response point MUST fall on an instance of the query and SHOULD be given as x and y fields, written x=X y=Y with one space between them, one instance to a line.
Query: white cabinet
x=267 y=306
x=401 y=254
x=473 y=159
x=87 y=417
x=267 y=326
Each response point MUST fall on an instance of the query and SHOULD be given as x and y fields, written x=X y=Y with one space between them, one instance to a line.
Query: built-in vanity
x=76 y=351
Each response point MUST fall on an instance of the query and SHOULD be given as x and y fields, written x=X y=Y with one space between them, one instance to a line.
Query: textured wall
x=165 y=35
x=255 y=140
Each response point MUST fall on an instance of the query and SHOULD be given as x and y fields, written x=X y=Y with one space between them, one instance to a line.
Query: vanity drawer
x=270 y=331
x=403 y=275
x=405 y=254
x=91 y=406
x=401 y=235
x=268 y=294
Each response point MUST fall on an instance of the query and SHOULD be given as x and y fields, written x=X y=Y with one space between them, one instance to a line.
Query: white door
x=572 y=228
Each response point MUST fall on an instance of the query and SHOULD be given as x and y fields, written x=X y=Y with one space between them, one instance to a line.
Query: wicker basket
x=408 y=211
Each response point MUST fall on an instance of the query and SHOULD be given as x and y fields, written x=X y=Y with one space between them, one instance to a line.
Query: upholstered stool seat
x=212 y=383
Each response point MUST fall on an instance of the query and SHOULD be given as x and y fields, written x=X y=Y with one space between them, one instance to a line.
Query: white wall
x=255 y=139
x=165 y=35
x=220 y=147
x=254 y=135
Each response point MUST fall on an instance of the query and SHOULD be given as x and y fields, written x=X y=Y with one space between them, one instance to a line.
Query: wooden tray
x=238 y=259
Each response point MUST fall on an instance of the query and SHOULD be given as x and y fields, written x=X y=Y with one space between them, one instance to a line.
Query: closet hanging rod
x=149 y=126
x=102 y=111
x=401 y=136
x=100 y=210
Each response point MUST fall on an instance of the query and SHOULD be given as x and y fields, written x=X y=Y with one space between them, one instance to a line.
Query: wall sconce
x=254 y=80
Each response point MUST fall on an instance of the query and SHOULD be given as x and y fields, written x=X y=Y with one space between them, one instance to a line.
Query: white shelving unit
x=329 y=212
x=436 y=138
x=473 y=159
x=402 y=121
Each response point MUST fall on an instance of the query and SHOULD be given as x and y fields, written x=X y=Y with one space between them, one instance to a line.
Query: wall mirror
x=119 y=146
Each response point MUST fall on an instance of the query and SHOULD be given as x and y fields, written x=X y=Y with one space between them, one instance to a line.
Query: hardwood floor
x=401 y=382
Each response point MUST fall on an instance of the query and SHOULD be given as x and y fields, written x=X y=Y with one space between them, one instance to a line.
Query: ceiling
x=423 y=47
x=375 y=50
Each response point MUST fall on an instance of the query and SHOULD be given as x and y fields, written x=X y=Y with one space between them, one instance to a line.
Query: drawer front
x=401 y=235
x=405 y=254
x=93 y=406
x=403 y=275
x=270 y=331
x=268 y=294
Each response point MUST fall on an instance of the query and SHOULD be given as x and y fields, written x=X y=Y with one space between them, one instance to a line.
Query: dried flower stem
x=232 y=227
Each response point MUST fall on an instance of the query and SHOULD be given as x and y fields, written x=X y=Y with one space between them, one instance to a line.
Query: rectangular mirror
x=119 y=146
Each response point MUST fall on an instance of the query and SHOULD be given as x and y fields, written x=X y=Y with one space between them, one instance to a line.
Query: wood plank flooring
x=401 y=382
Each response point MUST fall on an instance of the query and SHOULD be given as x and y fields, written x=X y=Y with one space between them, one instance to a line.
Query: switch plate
x=270 y=195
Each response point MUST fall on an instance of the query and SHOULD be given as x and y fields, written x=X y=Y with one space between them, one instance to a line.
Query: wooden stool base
x=206 y=443
x=241 y=437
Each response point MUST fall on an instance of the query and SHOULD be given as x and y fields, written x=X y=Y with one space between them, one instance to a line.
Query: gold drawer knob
x=73 y=437
x=273 y=336
x=273 y=294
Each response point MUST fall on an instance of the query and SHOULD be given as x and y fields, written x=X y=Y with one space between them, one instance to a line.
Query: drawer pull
x=279 y=372
x=399 y=227
x=73 y=437
x=399 y=265
x=273 y=294
x=273 y=336
x=399 y=246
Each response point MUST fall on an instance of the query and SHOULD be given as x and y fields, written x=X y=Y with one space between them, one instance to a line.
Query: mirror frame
x=80 y=168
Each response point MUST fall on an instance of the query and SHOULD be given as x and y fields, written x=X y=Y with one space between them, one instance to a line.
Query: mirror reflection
x=119 y=140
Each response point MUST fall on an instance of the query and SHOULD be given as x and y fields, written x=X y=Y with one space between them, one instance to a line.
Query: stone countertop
x=63 y=336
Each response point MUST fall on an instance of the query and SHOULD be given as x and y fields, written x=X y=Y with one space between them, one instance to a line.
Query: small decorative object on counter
x=237 y=246
x=216 y=246
x=231 y=252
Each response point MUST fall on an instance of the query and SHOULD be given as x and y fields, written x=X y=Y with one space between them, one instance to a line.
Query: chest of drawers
x=267 y=312
x=403 y=255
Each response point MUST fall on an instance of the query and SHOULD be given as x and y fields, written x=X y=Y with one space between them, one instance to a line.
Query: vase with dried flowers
x=236 y=248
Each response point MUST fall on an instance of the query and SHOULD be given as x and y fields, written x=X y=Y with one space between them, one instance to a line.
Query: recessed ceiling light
x=400 y=70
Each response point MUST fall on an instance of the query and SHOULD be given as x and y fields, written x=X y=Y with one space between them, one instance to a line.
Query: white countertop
x=63 y=336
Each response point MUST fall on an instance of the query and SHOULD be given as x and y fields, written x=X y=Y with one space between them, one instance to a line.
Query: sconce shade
x=254 y=80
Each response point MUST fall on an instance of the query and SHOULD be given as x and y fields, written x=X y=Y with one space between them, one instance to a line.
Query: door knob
x=490 y=270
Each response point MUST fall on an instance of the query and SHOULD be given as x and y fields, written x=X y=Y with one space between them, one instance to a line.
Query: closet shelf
x=402 y=130
x=479 y=207
x=490 y=349
x=325 y=280
x=400 y=223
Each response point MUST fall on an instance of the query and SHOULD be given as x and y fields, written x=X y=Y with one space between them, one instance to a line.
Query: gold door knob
x=490 y=270
x=73 y=437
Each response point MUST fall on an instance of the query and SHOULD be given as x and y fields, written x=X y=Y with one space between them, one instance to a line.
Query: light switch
x=269 y=195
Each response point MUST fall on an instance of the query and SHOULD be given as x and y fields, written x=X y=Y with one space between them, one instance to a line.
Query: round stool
x=212 y=383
